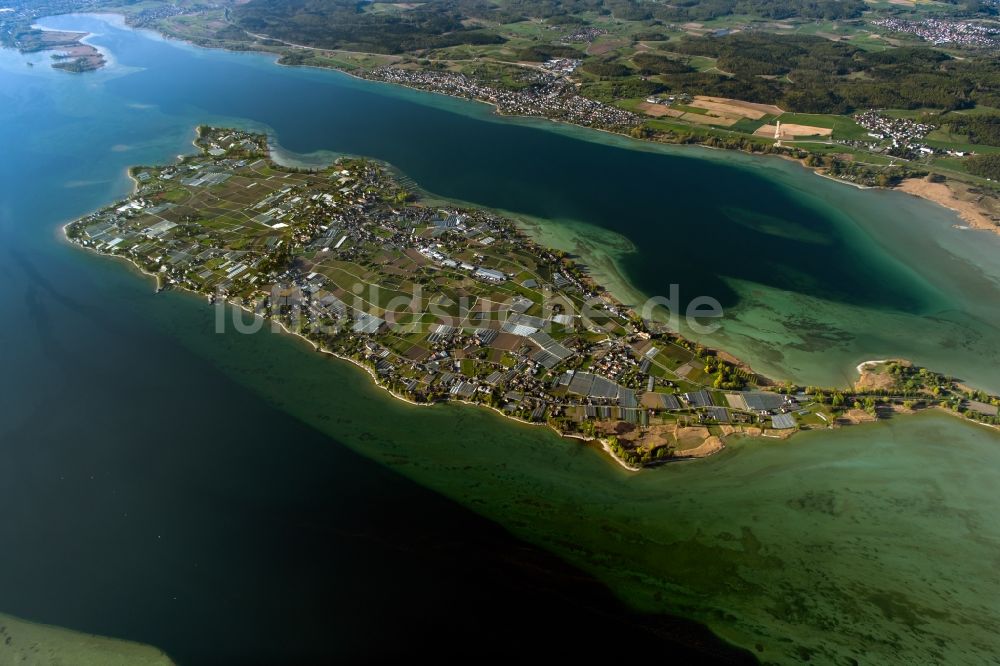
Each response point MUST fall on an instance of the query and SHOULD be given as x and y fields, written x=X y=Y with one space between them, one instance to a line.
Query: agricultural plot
x=717 y=111
x=734 y=107
x=791 y=131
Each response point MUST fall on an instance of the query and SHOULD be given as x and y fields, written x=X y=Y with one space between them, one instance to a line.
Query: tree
x=987 y=166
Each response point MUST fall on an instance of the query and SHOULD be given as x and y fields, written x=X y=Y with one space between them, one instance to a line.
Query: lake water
x=195 y=491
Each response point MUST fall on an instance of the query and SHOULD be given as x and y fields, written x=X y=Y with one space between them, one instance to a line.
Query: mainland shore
x=970 y=207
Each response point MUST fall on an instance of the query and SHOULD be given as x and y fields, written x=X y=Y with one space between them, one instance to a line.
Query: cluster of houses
x=548 y=96
x=562 y=66
x=905 y=136
x=616 y=362
x=148 y=16
x=944 y=31
x=677 y=97
x=585 y=34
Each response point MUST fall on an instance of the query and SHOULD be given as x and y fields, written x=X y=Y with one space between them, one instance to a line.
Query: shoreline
x=864 y=364
x=459 y=401
x=969 y=212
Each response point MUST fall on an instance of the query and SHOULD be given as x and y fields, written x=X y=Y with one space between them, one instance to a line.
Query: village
x=943 y=31
x=549 y=95
x=438 y=304
x=902 y=137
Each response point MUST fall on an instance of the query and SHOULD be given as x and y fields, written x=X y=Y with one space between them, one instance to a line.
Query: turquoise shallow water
x=818 y=546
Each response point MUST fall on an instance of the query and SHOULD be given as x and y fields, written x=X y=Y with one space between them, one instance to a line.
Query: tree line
x=983 y=128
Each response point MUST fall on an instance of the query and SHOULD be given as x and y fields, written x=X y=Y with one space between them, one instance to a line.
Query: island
x=71 y=54
x=443 y=303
